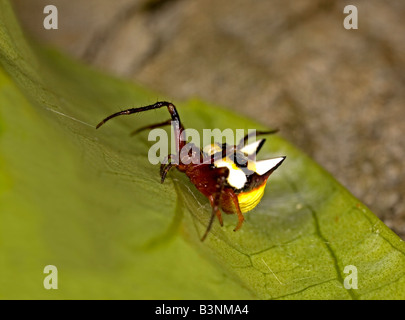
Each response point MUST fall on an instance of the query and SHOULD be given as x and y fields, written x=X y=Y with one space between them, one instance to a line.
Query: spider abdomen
x=250 y=199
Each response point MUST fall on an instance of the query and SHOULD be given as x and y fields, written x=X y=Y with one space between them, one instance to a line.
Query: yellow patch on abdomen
x=249 y=200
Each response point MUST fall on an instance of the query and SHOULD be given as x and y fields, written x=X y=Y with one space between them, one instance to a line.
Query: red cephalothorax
x=227 y=175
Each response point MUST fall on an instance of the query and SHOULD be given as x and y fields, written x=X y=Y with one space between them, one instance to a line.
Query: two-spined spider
x=227 y=175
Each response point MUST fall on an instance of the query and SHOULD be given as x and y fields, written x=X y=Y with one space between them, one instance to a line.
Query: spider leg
x=215 y=200
x=215 y=208
x=235 y=200
x=160 y=104
x=152 y=126
x=243 y=141
x=165 y=171
x=177 y=125
x=217 y=212
x=165 y=166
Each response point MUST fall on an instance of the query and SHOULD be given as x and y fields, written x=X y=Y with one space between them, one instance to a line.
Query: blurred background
x=337 y=94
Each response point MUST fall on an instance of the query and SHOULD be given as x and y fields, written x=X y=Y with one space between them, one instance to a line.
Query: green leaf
x=89 y=202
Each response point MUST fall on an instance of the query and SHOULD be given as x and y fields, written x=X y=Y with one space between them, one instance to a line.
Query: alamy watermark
x=350 y=281
x=51 y=20
x=351 y=20
x=51 y=280
x=217 y=143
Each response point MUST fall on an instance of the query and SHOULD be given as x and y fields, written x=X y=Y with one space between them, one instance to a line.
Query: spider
x=227 y=175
